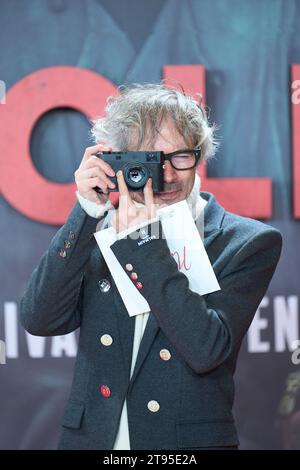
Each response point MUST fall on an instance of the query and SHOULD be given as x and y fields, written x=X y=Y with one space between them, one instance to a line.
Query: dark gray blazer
x=194 y=388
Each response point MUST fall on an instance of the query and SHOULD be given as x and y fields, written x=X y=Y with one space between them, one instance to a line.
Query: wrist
x=94 y=209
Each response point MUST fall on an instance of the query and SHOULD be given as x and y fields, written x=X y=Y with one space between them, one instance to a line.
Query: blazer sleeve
x=51 y=302
x=204 y=330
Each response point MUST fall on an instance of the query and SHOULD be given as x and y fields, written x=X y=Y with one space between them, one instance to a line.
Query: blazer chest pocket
x=206 y=434
x=73 y=415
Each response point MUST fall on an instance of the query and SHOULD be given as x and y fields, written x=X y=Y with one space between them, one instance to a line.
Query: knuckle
x=96 y=160
x=98 y=173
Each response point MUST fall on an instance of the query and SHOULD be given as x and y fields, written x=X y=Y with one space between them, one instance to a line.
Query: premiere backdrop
x=247 y=48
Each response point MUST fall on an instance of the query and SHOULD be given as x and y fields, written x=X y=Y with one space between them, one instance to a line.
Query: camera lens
x=135 y=174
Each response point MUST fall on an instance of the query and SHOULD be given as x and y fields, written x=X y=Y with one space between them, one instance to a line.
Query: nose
x=170 y=174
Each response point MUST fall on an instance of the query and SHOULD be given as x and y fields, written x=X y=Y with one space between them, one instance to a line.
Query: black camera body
x=137 y=168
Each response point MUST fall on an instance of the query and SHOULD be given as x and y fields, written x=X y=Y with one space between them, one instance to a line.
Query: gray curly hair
x=141 y=108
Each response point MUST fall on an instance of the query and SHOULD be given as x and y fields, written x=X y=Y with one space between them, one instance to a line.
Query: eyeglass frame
x=196 y=152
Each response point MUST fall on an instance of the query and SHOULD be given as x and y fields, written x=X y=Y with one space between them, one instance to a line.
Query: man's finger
x=94 y=149
x=148 y=195
x=96 y=161
x=124 y=197
x=122 y=185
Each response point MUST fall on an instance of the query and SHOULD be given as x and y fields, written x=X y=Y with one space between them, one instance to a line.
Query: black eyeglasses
x=185 y=159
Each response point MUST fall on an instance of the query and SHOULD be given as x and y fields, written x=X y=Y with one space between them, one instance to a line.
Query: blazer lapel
x=209 y=238
x=126 y=326
x=150 y=332
x=213 y=218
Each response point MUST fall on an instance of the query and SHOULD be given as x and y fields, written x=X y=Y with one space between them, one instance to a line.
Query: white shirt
x=122 y=441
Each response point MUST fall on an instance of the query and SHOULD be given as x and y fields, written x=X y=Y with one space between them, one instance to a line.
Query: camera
x=137 y=168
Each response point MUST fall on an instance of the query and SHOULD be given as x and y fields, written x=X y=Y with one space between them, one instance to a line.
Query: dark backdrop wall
x=247 y=48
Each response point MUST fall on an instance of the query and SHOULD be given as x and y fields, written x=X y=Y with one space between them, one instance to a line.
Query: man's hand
x=92 y=172
x=130 y=213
